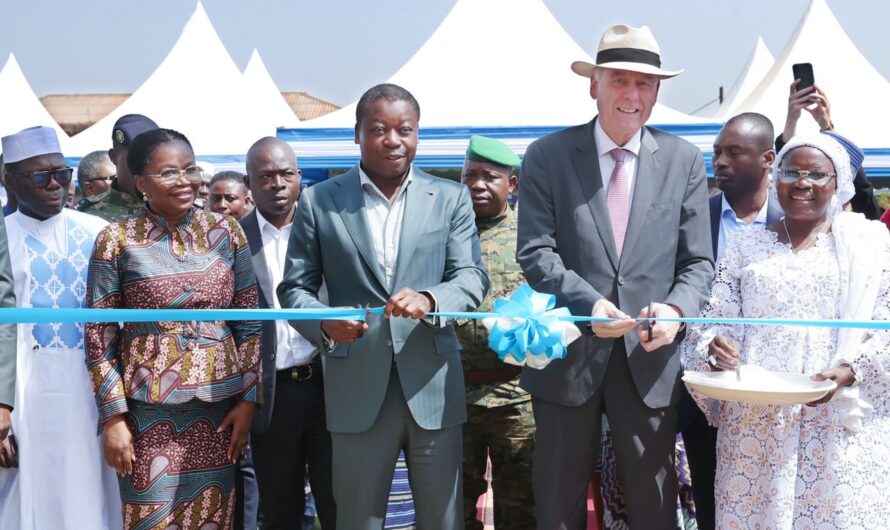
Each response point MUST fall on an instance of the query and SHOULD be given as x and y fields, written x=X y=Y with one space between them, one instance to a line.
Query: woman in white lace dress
x=827 y=464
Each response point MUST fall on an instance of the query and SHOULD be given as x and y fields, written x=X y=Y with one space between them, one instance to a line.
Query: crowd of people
x=264 y=423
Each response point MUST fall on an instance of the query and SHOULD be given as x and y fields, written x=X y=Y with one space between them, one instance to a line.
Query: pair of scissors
x=648 y=323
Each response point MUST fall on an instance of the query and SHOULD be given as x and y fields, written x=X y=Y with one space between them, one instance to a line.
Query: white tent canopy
x=265 y=97
x=490 y=80
x=219 y=118
x=839 y=68
x=19 y=106
x=757 y=67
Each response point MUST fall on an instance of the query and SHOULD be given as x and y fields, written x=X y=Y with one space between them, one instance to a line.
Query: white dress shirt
x=729 y=223
x=293 y=349
x=385 y=222
x=604 y=146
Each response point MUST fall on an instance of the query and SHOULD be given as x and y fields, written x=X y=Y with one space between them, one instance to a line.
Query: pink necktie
x=616 y=200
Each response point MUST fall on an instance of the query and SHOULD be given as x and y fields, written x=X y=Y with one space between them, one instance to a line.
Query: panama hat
x=625 y=47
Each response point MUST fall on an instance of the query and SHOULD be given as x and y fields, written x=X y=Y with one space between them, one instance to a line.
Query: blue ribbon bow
x=534 y=326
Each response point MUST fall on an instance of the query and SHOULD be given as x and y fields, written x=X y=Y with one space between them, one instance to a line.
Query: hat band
x=628 y=55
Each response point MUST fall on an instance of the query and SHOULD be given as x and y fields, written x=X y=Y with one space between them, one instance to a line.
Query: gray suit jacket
x=7 y=331
x=566 y=248
x=438 y=252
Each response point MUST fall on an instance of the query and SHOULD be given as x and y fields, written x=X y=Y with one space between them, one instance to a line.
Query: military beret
x=486 y=149
x=128 y=127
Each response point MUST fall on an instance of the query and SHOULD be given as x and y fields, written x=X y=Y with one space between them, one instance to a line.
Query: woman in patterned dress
x=175 y=399
x=824 y=464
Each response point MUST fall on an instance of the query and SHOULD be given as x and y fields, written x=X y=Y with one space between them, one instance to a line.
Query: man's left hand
x=5 y=421
x=663 y=333
x=409 y=304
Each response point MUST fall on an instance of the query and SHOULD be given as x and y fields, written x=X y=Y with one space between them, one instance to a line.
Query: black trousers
x=701 y=453
x=297 y=437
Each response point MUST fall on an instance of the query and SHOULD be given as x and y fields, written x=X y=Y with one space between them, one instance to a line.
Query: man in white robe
x=62 y=481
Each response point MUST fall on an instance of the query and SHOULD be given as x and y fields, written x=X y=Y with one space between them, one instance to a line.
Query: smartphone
x=804 y=72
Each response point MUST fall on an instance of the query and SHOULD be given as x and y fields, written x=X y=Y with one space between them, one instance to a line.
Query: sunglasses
x=40 y=179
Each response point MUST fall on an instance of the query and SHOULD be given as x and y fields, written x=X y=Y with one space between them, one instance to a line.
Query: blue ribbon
x=40 y=315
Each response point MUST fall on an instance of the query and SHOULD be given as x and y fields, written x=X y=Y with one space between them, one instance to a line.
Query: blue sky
x=335 y=49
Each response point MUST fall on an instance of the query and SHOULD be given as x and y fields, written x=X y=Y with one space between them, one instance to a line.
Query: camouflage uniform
x=499 y=414
x=110 y=205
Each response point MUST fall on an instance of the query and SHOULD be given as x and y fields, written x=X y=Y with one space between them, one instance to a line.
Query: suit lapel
x=716 y=214
x=646 y=182
x=587 y=169
x=255 y=239
x=420 y=198
x=351 y=204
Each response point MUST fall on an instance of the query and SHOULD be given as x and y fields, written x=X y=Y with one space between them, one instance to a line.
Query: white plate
x=759 y=386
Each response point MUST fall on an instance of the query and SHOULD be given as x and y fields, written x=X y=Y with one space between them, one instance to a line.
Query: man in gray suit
x=614 y=216
x=388 y=234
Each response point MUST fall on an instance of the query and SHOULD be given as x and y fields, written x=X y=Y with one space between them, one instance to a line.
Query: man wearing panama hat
x=614 y=221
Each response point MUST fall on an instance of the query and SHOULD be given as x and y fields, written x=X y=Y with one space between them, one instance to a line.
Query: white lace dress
x=790 y=467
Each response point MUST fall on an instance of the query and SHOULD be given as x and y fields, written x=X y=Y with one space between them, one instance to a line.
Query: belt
x=306 y=372
x=487 y=377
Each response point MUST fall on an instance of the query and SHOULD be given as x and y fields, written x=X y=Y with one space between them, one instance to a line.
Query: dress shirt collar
x=369 y=186
x=761 y=215
x=604 y=144
x=263 y=223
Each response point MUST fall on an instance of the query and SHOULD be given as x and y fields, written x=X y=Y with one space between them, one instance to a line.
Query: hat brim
x=585 y=69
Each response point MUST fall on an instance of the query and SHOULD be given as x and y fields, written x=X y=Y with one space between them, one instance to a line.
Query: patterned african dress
x=175 y=381
x=62 y=481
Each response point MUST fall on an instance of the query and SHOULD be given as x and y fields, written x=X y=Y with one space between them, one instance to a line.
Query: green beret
x=486 y=149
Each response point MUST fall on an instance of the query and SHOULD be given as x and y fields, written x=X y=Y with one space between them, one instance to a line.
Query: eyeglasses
x=112 y=177
x=789 y=176
x=40 y=179
x=169 y=177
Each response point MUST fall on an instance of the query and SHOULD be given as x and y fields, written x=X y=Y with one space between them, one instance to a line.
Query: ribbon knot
x=528 y=330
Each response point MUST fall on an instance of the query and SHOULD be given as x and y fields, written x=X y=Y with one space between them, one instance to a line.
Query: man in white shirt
x=743 y=156
x=289 y=430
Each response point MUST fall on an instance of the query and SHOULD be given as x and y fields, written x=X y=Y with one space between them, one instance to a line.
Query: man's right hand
x=118 y=442
x=344 y=331
x=725 y=353
x=9 y=453
x=610 y=330
x=5 y=421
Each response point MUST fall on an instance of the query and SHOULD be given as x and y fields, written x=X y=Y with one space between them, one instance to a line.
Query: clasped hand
x=406 y=303
x=663 y=333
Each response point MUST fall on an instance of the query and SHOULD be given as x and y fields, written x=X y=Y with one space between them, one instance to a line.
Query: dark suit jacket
x=566 y=248
x=251 y=227
x=773 y=214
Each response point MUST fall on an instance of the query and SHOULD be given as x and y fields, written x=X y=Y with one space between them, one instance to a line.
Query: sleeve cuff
x=435 y=322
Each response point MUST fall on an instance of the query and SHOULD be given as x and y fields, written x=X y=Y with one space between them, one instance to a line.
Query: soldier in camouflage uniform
x=122 y=198
x=500 y=423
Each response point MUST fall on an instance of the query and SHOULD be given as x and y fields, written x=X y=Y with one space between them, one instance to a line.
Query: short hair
x=758 y=126
x=89 y=166
x=387 y=91
x=230 y=176
x=145 y=144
